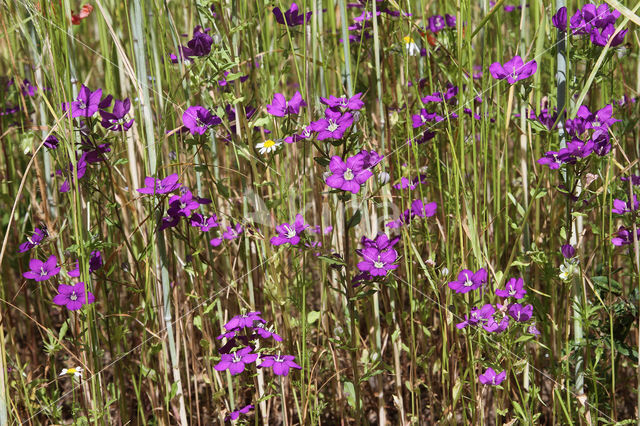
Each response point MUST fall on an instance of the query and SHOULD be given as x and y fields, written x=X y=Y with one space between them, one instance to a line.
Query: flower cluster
x=598 y=22
x=378 y=255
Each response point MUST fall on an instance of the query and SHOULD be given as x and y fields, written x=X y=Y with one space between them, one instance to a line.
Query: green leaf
x=355 y=219
x=312 y=316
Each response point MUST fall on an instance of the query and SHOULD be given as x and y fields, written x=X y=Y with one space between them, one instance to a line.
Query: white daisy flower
x=412 y=47
x=268 y=146
x=76 y=372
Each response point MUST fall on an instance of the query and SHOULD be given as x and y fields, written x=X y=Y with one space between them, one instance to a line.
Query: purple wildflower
x=568 y=251
x=183 y=205
x=624 y=237
x=234 y=415
x=490 y=377
x=198 y=119
x=41 y=271
x=289 y=233
x=425 y=117
x=348 y=176
x=160 y=186
x=265 y=333
x=514 y=288
x=468 y=280
x=559 y=20
x=73 y=296
x=231 y=233
x=378 y=262
x=520 y=313
x=333 y=125
x=51 y=142
x=513 y=70
x=436 y=23
x=243 y=321
x=281 y=107
x=34 y=240
x=601 y=118
x=204 y=223
x=95 y=261
x=353 y=103
x=86 y=104
x=477 y=315
x=115 y=120
x=621 y=207
x=280 y=364
x=236 y=361
x=291 y=17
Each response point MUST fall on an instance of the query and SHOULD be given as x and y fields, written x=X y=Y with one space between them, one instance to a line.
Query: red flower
x=86 y=11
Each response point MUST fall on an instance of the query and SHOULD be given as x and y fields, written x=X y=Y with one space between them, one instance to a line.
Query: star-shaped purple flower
x=281 y=364
x=115 y=120
x=281 y=107
x=333 y=126
x=41 y=271
x=378 y=262
x=236 y=361
x=198 y=119
x=513 y=70
x=520 y=313
x=34 y=240
x=348 y=176
x=514 y=288
x=490 y=377
x=86 y=104
x=160 y=186
x=289 y=233
x=468 y=280
x=353 y=103
x=73 y=296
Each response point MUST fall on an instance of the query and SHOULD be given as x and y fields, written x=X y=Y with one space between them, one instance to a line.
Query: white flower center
x=73 y=296
x=236 y=358
x=348 y=175
x=468 y=282
x=291 y=232
x=378 y=265
x=43 y=273
x=333 y=126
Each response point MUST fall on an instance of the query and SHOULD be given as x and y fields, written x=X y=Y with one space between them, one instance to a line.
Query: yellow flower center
x=71 y=371
x=408 y=39
x=269 y=143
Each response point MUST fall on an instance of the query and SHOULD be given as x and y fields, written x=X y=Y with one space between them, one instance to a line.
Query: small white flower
x=268 y=146
x=568 y=270
x=444 y=271
x=412 y=47
x=76 y=372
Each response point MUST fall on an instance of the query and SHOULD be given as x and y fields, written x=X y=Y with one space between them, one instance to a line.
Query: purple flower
x=86 y=104
x=559 y=20
x=305 y=134
x=204 y=223
x=514 y=288
x=280 y=364
x=532 y=329
x=425 y=117
x=243 y=321
x=353 y=103
x=436 y=23
x=450 y=20
x=41 y=271
x=199 y=45
x=231 y=233
x=490 y=377
x=468 y=280
x=348 y=176
x=75 y=273
x=183 y=205
x=27 y=88
x=265 y=333
x=291 y=17
x=477 y=315
x=160 y=186
x=624 y=237
x=378 y=262
x=280 y=107
x=513 y=70
x=333 y=125
x=568 y=251
x=492 y=326
x=635 y=179
x=51 y=142
x=198 y=119
x=601 y=38
x=234 y=415
x=602 y=118
x=420 y=208
x=621 y=207
x=115 y=120
x=236 y=361
x=520 y=313
x=73 y=296
x=289 y=233
x=95 y=261
x=34 y=240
